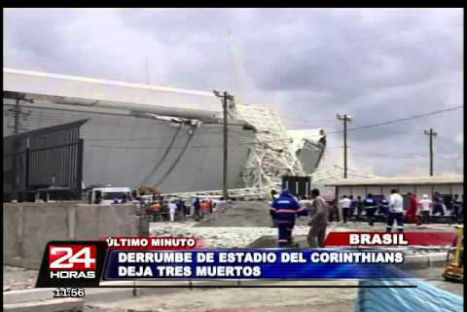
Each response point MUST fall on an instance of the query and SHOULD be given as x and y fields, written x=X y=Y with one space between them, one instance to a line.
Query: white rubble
x=218 y=237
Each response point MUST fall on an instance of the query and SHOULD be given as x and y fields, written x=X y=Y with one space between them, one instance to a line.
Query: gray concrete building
x=138 y=134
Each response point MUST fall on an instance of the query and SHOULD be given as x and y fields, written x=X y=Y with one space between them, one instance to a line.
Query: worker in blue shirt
x=438 y=205
x=284 y=210
x=383 y=207
x=353 y=207
x=370 y=207
x=359 y=208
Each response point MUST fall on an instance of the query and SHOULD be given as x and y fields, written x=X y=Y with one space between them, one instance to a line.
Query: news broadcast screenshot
x=233 y=160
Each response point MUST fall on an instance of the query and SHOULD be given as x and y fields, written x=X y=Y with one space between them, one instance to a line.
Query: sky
x=311 y=64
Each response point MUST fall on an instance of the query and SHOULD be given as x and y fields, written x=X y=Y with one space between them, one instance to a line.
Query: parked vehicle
x=109 y=195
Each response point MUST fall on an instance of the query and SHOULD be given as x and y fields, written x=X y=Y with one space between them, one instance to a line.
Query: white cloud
x=460 y=138
x=376 y=65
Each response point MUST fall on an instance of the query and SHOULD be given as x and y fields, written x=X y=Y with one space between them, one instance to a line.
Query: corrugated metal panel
x=121 y=150
x=47 y=157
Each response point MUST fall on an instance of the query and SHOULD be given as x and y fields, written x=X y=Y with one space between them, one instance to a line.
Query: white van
x=108 y=195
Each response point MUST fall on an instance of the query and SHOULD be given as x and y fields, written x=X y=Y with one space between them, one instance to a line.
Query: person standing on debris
x=204 y=207
x=285 y=209
x=180 y=214
x=141 y=203
x=353 y=208
x=417 y=209
x=211 y=205
x=383 y=207
x=345 y=205
x=186 y=209
x=197 y=209
x=333 y=210
x=411 y=213
x=438 y=205
x=165 y=210
x=172 y=209
x=153 y=210
x=425 y=206
x=359 y=208
x=396 y=212
x=318 y=211
x=370 y=207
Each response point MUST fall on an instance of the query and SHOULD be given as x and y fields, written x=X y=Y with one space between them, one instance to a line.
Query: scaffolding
x=272 y=156
x=237 y=193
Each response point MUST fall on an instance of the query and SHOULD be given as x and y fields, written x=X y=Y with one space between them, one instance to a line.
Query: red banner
x=390 y=239
x=153 y=243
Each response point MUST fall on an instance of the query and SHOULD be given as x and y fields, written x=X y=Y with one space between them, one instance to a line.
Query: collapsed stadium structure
x=138 y=134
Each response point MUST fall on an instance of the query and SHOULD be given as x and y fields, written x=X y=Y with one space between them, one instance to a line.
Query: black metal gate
x=298 y=186
x=48 y=159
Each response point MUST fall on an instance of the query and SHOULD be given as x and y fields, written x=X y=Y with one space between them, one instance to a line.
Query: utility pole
x=17 y=144
x=225 y=98
x=16 y=126
x=17 y=112
x=345 y=119
x=432 y=134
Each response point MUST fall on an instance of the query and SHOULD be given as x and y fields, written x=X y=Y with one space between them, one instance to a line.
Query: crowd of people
x=418 y=211
x=285 y=208
x=173 y=209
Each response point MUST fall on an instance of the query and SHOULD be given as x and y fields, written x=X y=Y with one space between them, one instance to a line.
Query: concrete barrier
x=29 y=226
x=56 y=305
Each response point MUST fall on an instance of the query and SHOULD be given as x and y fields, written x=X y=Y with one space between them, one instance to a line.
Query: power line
x=384 y=154
x=352 y=172
x=393 y=121
x=401 y=119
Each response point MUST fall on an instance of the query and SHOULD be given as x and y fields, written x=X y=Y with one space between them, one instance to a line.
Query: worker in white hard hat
x=426 y=206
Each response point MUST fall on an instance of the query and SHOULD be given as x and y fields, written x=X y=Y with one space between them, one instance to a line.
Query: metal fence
x=44 y=160
x=300 y=186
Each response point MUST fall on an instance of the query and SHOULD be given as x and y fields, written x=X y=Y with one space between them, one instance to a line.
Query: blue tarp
x=424 y=297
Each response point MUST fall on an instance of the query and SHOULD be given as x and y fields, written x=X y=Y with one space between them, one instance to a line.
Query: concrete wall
x=29 y=226
x=123 y=150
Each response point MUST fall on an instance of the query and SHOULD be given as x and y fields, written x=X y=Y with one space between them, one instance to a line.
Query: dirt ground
x=262 y=299
x=241 y=213
x=15 y=278
x=243 y=300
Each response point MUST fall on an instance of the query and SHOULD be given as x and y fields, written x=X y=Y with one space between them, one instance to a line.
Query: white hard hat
x=425 y=196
